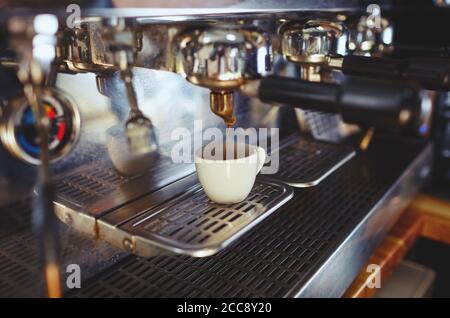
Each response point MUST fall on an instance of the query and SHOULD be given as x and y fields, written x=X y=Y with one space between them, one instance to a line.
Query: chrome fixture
x=124 y=42
x=222 y=59
x=311 y=45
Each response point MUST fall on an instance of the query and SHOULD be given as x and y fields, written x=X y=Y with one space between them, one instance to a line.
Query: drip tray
x=305 y=162
x=179 y=218
x=98 y=187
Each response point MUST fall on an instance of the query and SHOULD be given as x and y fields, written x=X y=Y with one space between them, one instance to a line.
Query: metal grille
x=305 y=162
x=85 y=185
x=192 y=222
x=275 y=257
x=19 y=260
x=321 y=123
x=323 y=126
x=19 y=264
x=15 y=216
x=272 y=260
x=91 y=183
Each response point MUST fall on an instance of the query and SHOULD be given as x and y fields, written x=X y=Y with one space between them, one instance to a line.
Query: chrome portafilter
x=310 y=45
x=313 y=42
x=316 y=46
x=221 y=59
x=320 y=46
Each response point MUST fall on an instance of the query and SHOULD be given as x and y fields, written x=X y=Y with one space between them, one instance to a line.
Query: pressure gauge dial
x=18 y=127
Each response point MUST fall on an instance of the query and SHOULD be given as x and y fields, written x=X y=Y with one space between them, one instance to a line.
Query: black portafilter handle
x=362 y=101
x=409 y=50
x=430 y=73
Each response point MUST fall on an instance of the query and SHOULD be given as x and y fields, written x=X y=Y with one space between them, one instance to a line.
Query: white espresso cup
x=227 y=171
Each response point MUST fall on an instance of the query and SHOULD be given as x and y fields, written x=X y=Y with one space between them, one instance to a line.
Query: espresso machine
x=95 y=96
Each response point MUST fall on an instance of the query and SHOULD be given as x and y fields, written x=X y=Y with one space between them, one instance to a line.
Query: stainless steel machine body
x=127 y=220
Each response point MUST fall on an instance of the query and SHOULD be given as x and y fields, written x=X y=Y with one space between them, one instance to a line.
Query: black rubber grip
x=430 y=73
x=362 y=101
x=307 y=95
x=373 y=102
x=407 y=51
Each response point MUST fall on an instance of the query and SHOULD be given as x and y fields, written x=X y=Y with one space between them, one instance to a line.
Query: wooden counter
x=426 y=217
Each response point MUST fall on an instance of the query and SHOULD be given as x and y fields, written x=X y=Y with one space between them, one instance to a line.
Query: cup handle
x=261 y=158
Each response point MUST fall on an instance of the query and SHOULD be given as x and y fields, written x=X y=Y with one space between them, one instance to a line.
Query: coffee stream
x=223 y=153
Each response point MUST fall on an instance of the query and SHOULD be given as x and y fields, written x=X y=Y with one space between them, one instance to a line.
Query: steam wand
x=33 y=68
x=43 y=214
x=124 y=43
x=139 y=128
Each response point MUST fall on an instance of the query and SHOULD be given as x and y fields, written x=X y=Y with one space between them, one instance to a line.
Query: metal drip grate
x=192 y=224
x=89 y=185
x=15 y=216
x=278 y=256
x=275 y=259
x=19 y=260
x=19 y=266
x=324 y=126
x=305 y=162
x=20 y=275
